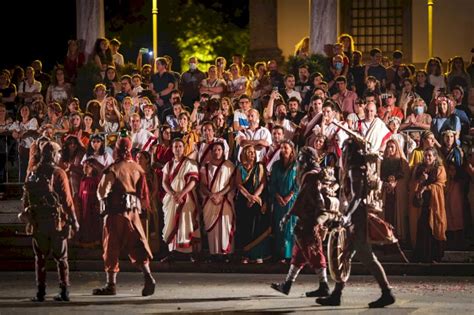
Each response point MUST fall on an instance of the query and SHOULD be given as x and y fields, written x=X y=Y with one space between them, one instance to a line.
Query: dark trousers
x=44 y=244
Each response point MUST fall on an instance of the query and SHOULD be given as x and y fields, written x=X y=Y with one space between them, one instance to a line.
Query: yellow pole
x=430 y=28
x=154 y=12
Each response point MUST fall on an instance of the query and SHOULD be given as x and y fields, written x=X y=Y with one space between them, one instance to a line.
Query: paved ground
x=186 y=293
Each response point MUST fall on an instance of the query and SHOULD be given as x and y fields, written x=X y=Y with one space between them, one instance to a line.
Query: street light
x=430 y=28
x=154 y=13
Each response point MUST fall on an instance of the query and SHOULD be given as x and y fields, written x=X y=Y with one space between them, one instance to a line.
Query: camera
x=144 y=50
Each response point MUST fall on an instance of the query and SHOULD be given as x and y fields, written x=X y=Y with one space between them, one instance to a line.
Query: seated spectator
x=445 y=119
x=110 y=119
x=344 y=97
x=236 y=83
x=337 y=68
x=434 y=71
x=372 y=90
x=150 y=120
x=241 y=115
x=24 y=131
x=212 y=85
x=375 y=67
x=289 y=90
x=304 y=83
x=59 y=90
x=457 y=74
x=7 y=91
x=259 y=137
x=204 y=147
x=389 y=109
x=29 y=87
x=422 y=87
x=88 y=121
x=116 y=56
x=354 y=119
x=419 y=118
x=73 y=61
x=76 y=128
x=102 y=55
x=188 y=135
x=40 y=76
x=407 y=97
x=227 y=110
x=111 y=81
x=137 y=87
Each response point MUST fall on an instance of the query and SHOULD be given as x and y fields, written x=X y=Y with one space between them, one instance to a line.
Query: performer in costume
x=218 y=206
x=361 y=189
x=253 y=220
x=310 y=209
x=124 y=192
x=180 y=206
x=283 y=189
x=49 y=208
x=373 y=129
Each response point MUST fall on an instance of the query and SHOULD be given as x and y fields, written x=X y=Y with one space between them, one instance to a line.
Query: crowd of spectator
x=239 y=128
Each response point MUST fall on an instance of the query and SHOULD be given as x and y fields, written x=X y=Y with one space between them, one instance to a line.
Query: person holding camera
x=389 y=109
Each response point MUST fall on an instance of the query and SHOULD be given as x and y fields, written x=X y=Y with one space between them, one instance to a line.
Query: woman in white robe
x=218 y=205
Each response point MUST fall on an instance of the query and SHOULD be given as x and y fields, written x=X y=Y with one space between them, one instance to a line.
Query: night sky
x=49 y=27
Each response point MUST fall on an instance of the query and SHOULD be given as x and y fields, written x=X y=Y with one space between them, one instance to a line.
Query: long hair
x=90 y=150
x=66 y=154
x=307 y=161
x=293 y=156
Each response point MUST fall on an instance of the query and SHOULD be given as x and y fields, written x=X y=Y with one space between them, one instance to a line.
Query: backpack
x=44 y=208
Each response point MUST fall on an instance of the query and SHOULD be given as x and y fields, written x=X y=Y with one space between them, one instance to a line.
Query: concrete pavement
x=186 y=293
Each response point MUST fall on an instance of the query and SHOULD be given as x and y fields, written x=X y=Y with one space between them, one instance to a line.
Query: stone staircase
x=16 y=254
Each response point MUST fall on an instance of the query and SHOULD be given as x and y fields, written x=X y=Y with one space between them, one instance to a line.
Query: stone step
x=411 y=269
x=13 y=248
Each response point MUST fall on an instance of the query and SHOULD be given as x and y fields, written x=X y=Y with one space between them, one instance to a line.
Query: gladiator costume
x=49 y=213
x=363 y=187
x=124 y=194
x=310 y=208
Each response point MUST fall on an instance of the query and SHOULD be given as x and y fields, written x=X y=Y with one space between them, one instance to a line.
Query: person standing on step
x=124 y=193
x=49 y=214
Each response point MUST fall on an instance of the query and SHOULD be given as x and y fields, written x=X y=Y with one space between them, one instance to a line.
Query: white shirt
x=104 y=159
x=261 y=133
x=18 y=126
x=118 y=59
x=203 y=150
x=25 y=87
x=142 y=139
x=293 y=93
